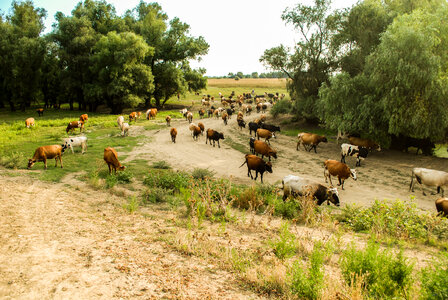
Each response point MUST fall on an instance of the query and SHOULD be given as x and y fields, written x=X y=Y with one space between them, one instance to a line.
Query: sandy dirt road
x=383 y=175
x=57 y=242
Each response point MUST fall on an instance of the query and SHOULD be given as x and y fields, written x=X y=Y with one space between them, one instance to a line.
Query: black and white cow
x=351 y=150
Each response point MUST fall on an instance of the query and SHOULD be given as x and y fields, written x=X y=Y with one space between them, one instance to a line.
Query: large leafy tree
x=403 y=87
x=77 y=36
x=22 y=51
x=123 y=79
x=174 y=47
x=309 y=64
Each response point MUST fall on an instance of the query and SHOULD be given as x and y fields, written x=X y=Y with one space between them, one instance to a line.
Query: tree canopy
x=94 y=57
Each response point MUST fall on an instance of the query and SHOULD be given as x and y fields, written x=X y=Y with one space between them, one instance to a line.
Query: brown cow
x=47 y=152
x=111 y=159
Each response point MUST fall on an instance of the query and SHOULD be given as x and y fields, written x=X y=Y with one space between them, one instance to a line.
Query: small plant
x=285 y=246
x=111 y=181
x=435 y=278
x=168 y=180
x=384 y=275
x=161 y=164
x=249 y=198
x=154 y=195
x=124 y=177
x=202 y=174
x=307 y=283
x=132 y=204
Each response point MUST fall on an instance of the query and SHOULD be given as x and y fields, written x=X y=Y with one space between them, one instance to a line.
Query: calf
x=168 y=121
x=84 y=118
x=366 y=143
x=271 y=128
x=258 y=165
x=73 y=125
x=241 y=123
x=29 y=122
x=265 y=134
x=133 y=117
x=40 y=111
x=253 y=127
x=213 y=135
x=442 y=207
x=111 y=159
x=263 y=149
x=47 y=152
x=310 y=139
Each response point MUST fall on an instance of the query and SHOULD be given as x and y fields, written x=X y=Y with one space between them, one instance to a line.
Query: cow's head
x=333 y=196
x=31 y=163
x=324 y=139
x=353 y=174
x=273 y=154
x=65 y=146
x=221 y=135
x=269 y=167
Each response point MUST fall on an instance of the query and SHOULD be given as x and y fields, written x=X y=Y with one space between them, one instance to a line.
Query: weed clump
x=161 y=164
x=286 y=245
x=435 y=279
x=154 y=195
x=168 y=180
x=202 y=174
x=13 y=160
x=383 y=274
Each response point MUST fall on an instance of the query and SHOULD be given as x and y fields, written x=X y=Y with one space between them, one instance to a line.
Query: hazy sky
x=238 y=31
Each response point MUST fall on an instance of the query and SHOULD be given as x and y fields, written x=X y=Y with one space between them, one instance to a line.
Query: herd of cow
x=292 y=185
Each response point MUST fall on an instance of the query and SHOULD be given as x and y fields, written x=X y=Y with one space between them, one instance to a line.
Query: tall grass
x=248 y=83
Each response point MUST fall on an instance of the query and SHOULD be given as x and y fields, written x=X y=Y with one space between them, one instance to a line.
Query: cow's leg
x=213 y=143
x=342 y=158
x=256 y=175
x=60 y=160
x=219 y=145
x=315 y=146
x=298 y=144
x=56 y=161
x=45 y=162
x=71 y=148
x=261 y=176
x=110 y=170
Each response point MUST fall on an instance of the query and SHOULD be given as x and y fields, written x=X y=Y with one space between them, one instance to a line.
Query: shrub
x=285 y=246
x=308 y=284
x=13 y=160
x=111 y=181
x=281 y=107
x=384 y=275
x=166 y=179
x=154 y=195
x=161 y=164
x=202 y=174
x=435 y=278
x=124 y=177
x=249 y=198
x=398 y=219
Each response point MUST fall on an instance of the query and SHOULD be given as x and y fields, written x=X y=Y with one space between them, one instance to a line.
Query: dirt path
x=384 y=175
x=60 y=242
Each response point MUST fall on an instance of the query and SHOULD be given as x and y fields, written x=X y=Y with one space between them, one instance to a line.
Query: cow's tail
x=245 y=162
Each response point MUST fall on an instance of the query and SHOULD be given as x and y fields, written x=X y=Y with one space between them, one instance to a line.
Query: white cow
x=79 y=141
x=429 y=177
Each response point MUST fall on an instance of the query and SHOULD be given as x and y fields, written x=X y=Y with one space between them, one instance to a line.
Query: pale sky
x=238 y=31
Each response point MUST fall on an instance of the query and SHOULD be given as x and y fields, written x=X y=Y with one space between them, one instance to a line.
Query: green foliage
x=132 y=205
x=161 y=164
x=308 y=284
x=286 y=245
x=125 y=176
x=434 y=278
x=167 y=179
x=397 y=219
x=111 y=181
x=154 y=195
x=13 y=160
x=202 y=174
x=281 y=107
x=383 y=274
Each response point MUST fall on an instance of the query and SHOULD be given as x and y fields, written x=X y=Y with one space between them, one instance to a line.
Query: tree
x=402 y=89
x=122 y=77
x=254 y=75
x=173 y=45
x=310 y=63
x=22 y=51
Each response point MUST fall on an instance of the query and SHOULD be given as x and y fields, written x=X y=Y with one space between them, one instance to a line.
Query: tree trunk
x=11 y=105
x=71 y=104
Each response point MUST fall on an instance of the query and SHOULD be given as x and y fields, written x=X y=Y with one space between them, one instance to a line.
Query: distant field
x=248 y=83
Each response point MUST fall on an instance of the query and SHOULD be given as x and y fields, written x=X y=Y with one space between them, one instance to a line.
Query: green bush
x=111 y=181
x=202 y=174
x=435 y=278
x=286 y=245
x=167 y=179
x=397 y=219
x=160 y=165
x=308 y=284
x=13 y=160
x=281 y=107
x=132 y=204
x=154 y=195
x=124 y=177
x=383 y=274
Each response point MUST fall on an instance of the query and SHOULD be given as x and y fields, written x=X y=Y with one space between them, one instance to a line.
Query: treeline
x=378 y=68
x=94 y=57
x=240 y=75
